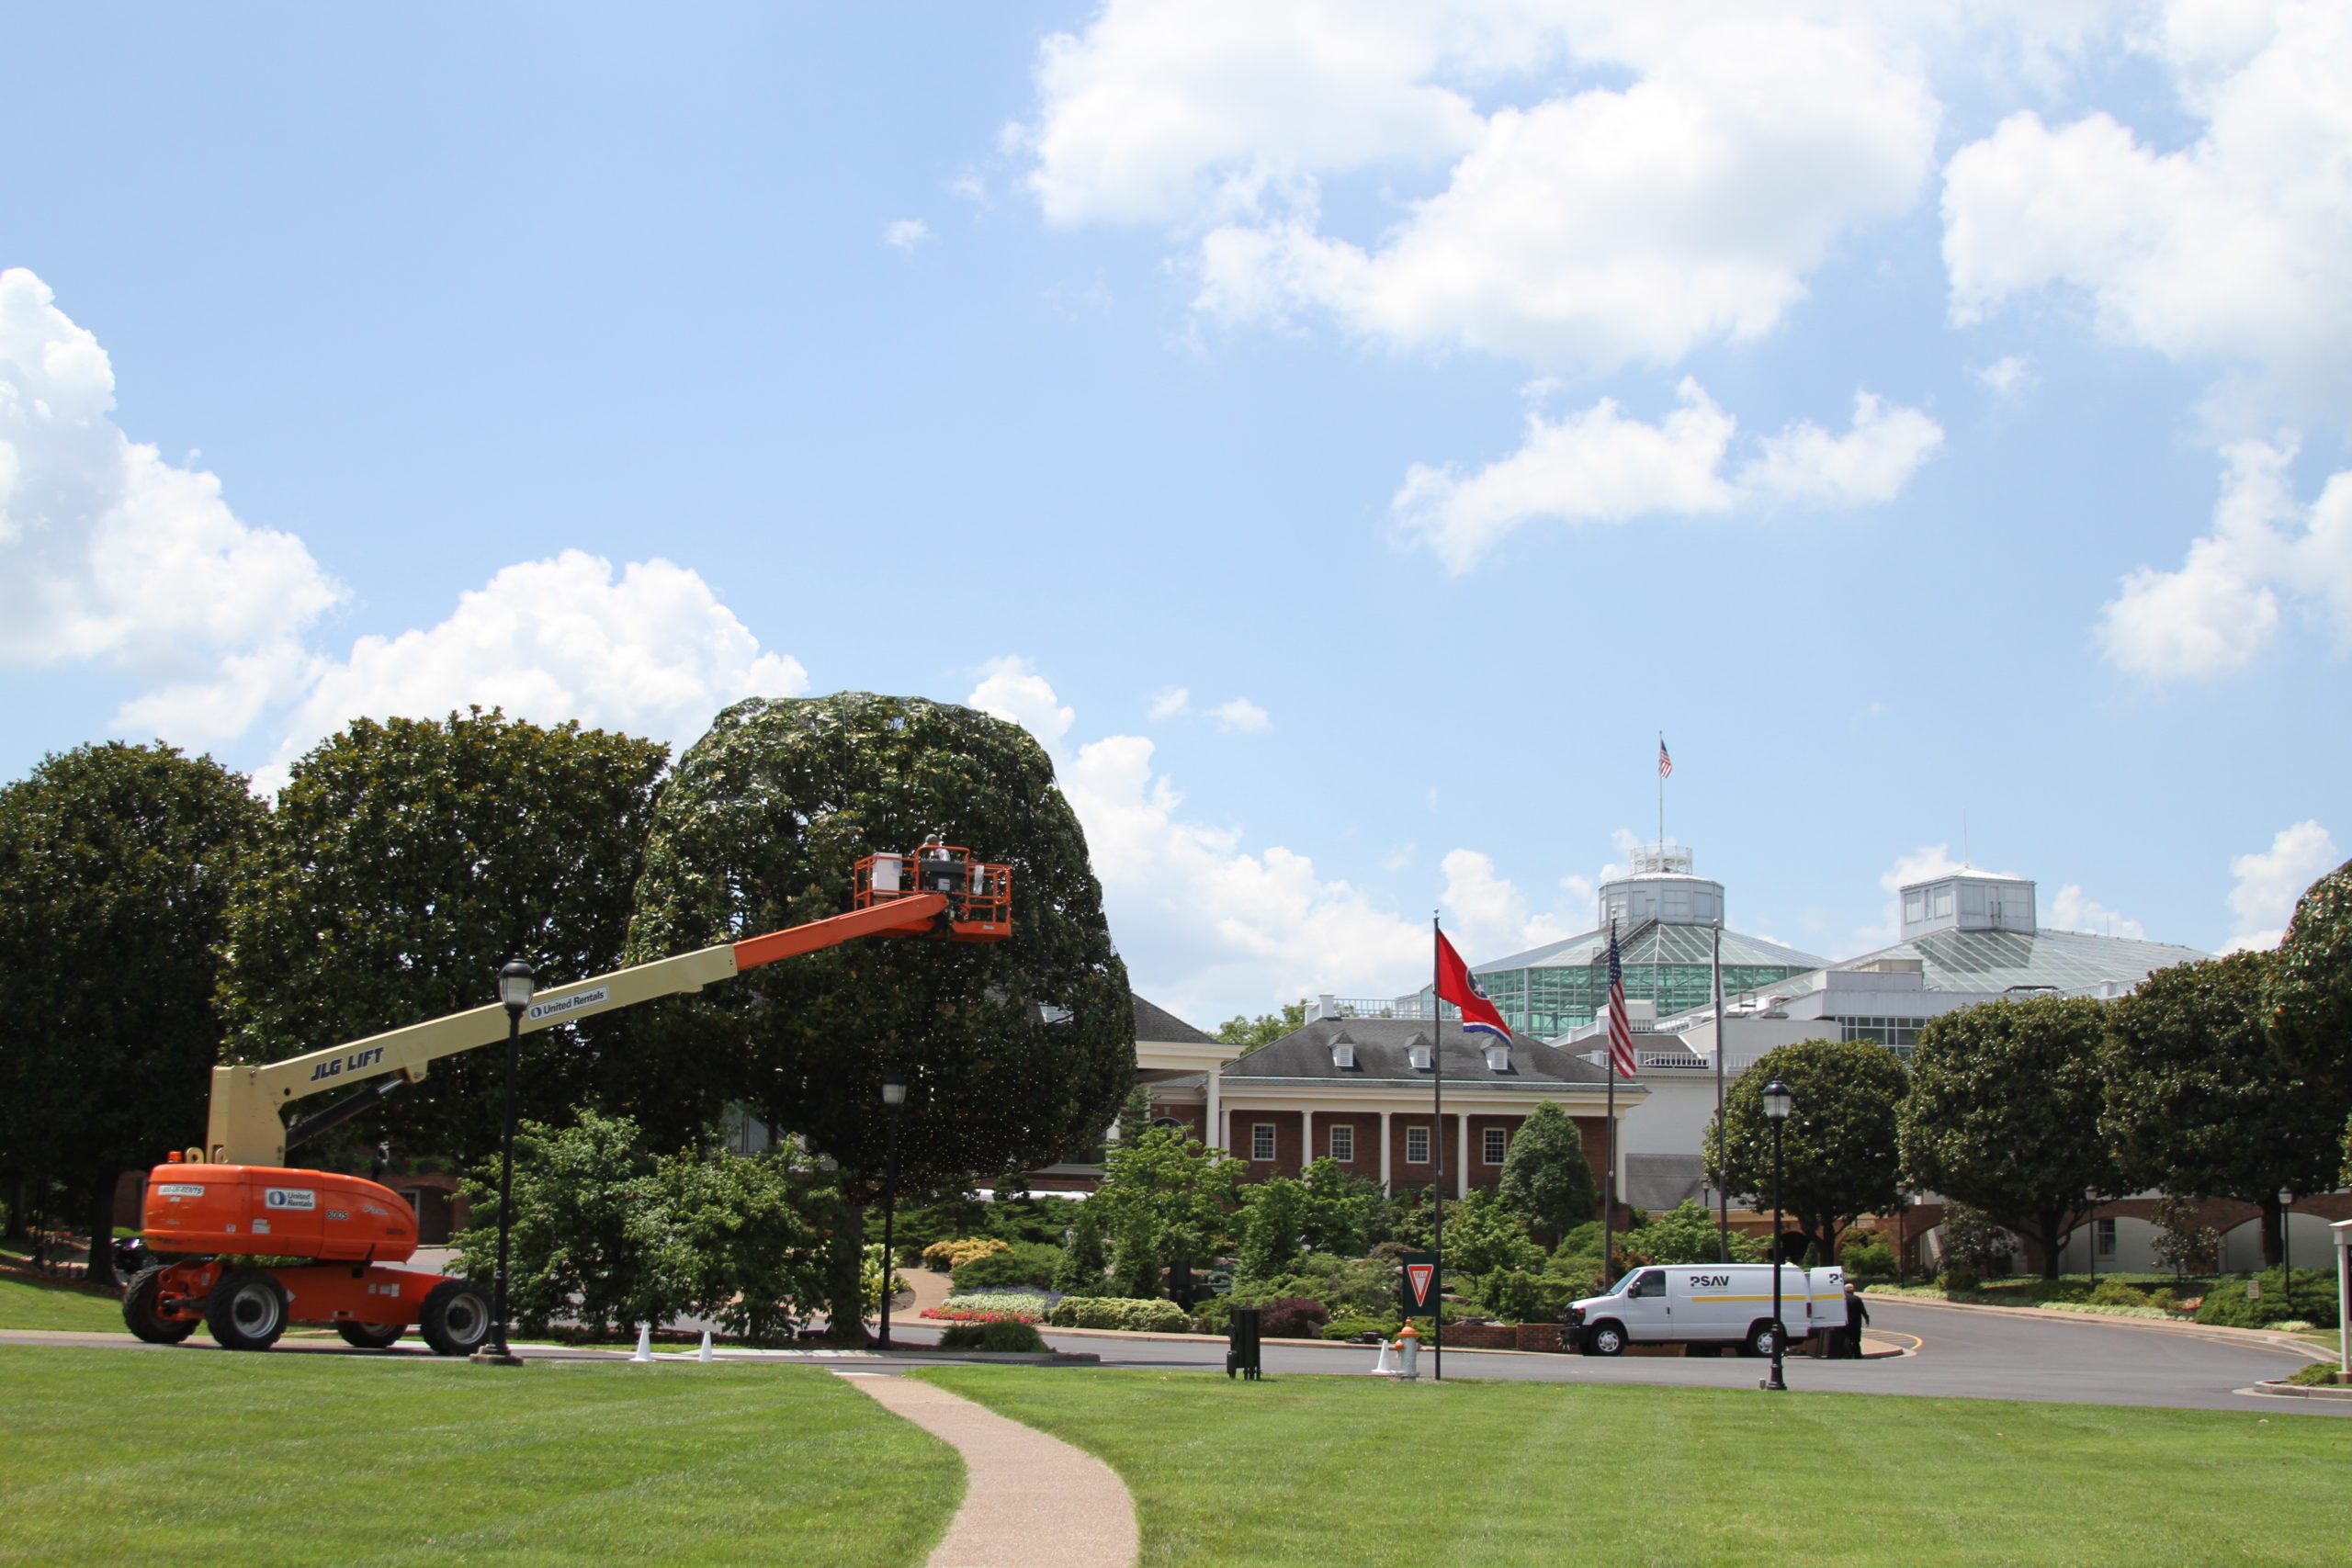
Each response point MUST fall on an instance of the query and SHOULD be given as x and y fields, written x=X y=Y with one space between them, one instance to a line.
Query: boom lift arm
x=244 y=1126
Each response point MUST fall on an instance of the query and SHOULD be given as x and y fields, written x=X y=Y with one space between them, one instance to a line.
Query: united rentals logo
x=556 y=1006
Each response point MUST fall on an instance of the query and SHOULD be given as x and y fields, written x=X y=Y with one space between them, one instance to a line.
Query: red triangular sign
x=1419 y=1274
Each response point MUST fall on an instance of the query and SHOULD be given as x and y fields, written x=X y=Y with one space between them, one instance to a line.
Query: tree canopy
x=1841 y=1153
x=1016 y=1052
x=2309 y=996
x=406 y=863
x=116 y=864
x=1547 y=1179
x=2003 y=1114
x=2199 y=1101
x=1265 y=1029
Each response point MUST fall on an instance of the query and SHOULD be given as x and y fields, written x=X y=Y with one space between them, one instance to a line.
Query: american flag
x=1620 y=1032
x=1665 y=763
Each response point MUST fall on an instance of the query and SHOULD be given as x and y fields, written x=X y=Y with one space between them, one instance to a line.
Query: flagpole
x=1723 y=1197
x=1609 y=1179
x=1437 y=1136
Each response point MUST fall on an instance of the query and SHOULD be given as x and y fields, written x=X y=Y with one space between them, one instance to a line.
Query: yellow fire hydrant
x=1408 y=1354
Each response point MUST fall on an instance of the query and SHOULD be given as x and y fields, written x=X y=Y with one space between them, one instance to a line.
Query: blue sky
x=1347 y=435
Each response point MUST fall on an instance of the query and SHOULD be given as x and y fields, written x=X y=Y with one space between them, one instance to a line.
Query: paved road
x=1955 y=1353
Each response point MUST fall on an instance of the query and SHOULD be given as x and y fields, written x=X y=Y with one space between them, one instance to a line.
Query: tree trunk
x=101 y=1211
x=20 y=1194
x=2052 y=1239
x=845 y=1294
x=2274 y=1221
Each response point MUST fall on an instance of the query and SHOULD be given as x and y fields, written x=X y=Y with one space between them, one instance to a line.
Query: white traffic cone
x=644 y=1343
x=703 y=1354
x=1384 y=1364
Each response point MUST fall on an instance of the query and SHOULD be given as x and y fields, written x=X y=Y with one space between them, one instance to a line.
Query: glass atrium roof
x=2074 y=962
x=1658 y=942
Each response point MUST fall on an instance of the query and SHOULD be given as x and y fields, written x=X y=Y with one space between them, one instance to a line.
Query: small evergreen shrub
x=998 y=1335
x=2319 y=1374
x=2116 y=1294
x=946 y=1256
x=1357 y=1327
x=1867 y=1259
x=2312 y=1298
x=1292 y=1317
x=1018 y=1263
x=1126 y=1313
x=1958 y=1281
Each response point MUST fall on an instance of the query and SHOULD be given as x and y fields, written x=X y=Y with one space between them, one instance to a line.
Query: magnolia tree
x=1841 y=1155
x=1016 y=1052
x=2307 y=1002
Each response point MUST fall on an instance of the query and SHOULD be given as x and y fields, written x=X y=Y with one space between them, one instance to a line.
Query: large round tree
x=117 y=866
x=1016 y=1052
x=2309 y=1000
x=1840 y=1156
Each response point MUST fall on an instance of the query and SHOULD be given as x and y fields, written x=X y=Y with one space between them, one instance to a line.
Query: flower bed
x=995 y=1306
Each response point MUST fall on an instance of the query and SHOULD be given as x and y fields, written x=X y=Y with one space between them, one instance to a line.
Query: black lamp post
x=1778 y=1103
x=514 y=995
x=894 y=1095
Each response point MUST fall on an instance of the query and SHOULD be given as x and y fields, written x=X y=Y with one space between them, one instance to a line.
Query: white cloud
x=1598 y=466
x=1238 y=716
x=1589 y=227
x=654 y=653
x=906 y=233
x=1010 y=689
x=2223 y=606
x=2269 y=884
x=1208 y=926
x=1241 y=716
x=111 y=555
x=2071 y=912
x=2236 y=250
x=2010 y=376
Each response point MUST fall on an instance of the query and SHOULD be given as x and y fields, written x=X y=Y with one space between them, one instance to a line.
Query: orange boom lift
x=219 y=1208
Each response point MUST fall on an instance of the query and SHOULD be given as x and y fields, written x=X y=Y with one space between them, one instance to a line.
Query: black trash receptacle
x=1241 y=1344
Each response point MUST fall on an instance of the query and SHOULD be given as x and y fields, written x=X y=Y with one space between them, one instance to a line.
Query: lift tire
x=139 y=1313
x=1759 y=1340
x=371 y=1336
x=455 y=1317
x=1604 y=1339
x=247 y=1310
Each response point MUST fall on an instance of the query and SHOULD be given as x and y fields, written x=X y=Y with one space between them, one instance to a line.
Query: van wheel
x=1760 y=1339
x=246 y=1311
x=140 y=1316
x=1604 y=1339
x=455 y=1317
x=371 y=1336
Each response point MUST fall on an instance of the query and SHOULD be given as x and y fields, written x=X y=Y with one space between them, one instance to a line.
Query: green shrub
x=1127 y=1313
x=1021 y=1263
x=1355 y=1327
x=1959 y=1281
x=1024 y=1306
x=2319 y=1374
x=1867 y=1258
x=2116 y=1294
x=2312 y=1297
x=1516 y=1296
x=1003 y=1335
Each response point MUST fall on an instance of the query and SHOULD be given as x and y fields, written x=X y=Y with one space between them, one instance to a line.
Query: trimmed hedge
x=2312 y=1299
x=1005 y=1334
x=1119 y=1312
x=997 y=1306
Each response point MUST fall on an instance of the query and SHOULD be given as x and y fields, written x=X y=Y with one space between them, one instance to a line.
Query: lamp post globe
x=894 y=1095
x=514 y=983
x=1778 y=1104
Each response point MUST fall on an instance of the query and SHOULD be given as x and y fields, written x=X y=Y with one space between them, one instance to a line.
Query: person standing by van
x=1850 y=1338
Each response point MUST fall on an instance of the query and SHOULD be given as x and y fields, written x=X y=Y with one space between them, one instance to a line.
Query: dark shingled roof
x=1382 y=1056
x=1154 y=1022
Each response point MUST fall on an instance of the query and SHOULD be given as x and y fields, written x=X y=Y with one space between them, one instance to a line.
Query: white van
x=1705 y=1306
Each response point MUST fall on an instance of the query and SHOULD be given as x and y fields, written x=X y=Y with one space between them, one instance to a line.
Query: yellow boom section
x=246 y=1126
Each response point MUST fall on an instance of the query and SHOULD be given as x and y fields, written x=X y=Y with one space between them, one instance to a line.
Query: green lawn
x=113 y=1456
x=1334 y=1471
x=27 y=1304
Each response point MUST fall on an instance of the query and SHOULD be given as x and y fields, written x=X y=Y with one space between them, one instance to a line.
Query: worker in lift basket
x=938 y=869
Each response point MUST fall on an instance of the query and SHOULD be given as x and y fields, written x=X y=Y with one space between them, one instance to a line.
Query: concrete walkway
x=1030 y=1501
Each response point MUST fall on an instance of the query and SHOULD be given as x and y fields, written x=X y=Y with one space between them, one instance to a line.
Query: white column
x=1215 y=1128
x=1462 y=1165
x=1384 y=1150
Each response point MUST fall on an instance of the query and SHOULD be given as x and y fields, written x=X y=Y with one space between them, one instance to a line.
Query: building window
x=2103 y=1237
x=1343 y=1143
x=1262 y=1140
x=1417 y=1146
x=1498 y=1143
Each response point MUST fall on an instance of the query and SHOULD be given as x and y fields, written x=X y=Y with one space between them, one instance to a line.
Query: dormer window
x=1497 y=1058
x=1343 y=1055
x=1418 y=1052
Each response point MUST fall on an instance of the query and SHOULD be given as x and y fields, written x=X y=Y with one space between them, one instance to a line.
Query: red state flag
x=1455 y=984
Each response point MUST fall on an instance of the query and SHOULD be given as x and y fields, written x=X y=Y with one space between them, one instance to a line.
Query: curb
x=2219 y=1333
x=2299 y=1391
